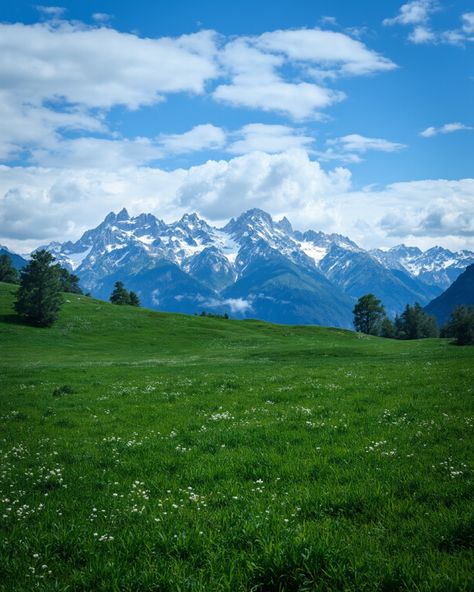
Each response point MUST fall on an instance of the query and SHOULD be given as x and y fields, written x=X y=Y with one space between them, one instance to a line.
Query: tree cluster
x=460 y=326
x=122 y=296
x=413 y=323
x=213 y=315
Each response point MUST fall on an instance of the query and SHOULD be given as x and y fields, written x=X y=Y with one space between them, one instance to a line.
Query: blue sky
x=346 y=117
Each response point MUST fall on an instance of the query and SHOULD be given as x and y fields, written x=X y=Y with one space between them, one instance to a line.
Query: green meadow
x=143 y=451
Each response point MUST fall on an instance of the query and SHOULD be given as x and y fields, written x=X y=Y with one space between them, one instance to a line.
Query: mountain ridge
x=273 y=271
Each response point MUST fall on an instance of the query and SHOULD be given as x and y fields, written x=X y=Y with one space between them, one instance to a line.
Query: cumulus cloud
x=447 y=128
x=422 y=34
x=267 y=138
x=255 y=65
x=279 y=183
x=417 y=14
x=330 y=49
x=441 y=208
x=39 y=204
x=413 y=13
x=200 y=137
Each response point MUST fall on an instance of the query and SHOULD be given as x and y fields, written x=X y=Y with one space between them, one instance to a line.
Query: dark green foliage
x=415 y=323
x=39 y=297
x=133 y=299
x=461 y=325
x=387 y=329
x=368 y=315
x=213 y=315
x=120 y=295
x=69 y=281
x=8 y=273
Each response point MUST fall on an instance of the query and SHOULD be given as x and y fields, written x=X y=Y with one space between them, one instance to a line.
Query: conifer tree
x=120 y=294
x=69 y=281
x=39 y=297
x=415 y=323
x=387 y=328
x=8 y=273
x=133 y=299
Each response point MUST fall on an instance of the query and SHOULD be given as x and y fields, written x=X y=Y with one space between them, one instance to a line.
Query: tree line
x=413 y=323
x=42 y=283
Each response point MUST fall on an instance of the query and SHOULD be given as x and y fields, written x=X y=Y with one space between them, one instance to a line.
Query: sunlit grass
x=145 y=451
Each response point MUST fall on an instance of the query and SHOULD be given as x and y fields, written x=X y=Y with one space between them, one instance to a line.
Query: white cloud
x=348 y=148
x=433 y=208
x=421 y=34
x=413 y=13
x=101 y=17
x=362 y=144
x=468 y=22
x=66 y=76
x=101 y=67
x=255 y=66
x=330 y=49
x=97 y=153
x=51 y=11
x=38 y=204
x=267 y=138
x=447 y=128
x=279 y=183
x=201 y=137
x=417 y=14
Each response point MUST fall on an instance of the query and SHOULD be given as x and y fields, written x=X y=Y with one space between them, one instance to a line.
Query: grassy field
x=143 y=451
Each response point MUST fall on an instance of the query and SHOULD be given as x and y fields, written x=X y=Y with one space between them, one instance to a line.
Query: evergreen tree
x=387 y=329
x=368 y=314
x=39 y=297
x=69 y=281
x=120 y=294
x=8 y=273
x=415 y=323
x=133 y=299
x=461 y=325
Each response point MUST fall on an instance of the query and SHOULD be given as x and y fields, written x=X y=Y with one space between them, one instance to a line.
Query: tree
x=39 y=297
x=415 y=323
x=8 y=273
x=69 y=281
x=133 y=299
x=368 y=314
x=387 y=329
x=120 y=294
x=461 y=325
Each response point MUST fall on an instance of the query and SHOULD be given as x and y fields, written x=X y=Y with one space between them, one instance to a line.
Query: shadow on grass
x=12 y=319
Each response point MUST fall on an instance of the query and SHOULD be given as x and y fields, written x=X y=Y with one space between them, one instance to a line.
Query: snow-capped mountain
x=252 y=267
x=436 y=266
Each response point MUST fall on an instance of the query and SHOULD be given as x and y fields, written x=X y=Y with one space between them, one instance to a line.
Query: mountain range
x=253 y=267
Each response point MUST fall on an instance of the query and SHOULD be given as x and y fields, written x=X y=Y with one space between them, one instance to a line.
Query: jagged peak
x=285 y=225
x=123 y=215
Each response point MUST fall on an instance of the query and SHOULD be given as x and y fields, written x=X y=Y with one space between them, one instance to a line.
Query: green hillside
x=142 y=451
